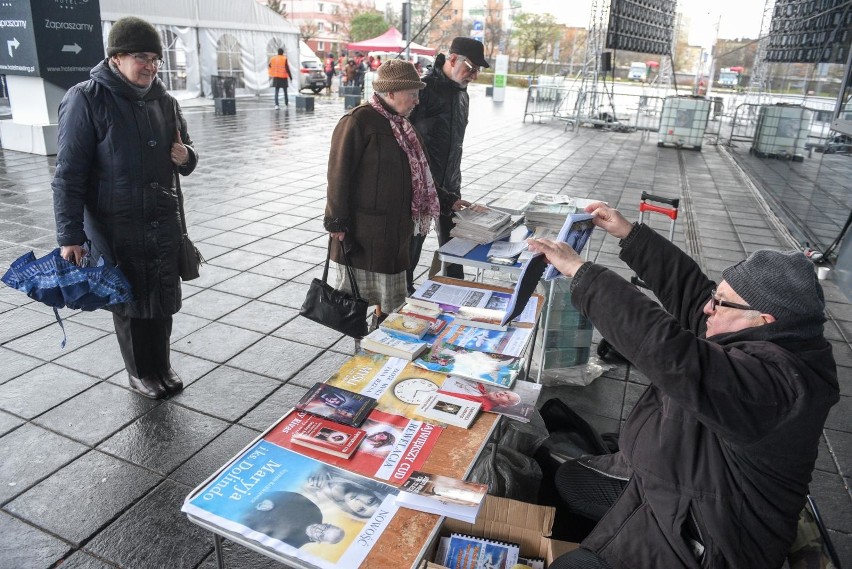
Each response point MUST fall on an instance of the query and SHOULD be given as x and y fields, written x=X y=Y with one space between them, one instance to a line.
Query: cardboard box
x=527 y=525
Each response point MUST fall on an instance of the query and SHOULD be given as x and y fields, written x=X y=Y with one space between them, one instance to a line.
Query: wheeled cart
x=605 y=350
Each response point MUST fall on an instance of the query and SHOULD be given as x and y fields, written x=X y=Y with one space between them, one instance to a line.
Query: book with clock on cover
x=337 y=404
x=380 y=342
x=327 y=436
x=408 y=326
x=450 y=409
x=442 y=495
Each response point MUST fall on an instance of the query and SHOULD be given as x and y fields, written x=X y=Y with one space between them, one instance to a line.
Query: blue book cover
x=297 y=506
x=495 y=369
x=576 y=232
x=468 y=552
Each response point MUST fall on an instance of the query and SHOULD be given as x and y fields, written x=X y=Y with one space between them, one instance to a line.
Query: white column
x=35 y=113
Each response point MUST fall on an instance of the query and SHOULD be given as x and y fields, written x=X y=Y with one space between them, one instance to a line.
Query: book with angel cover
x=442 y=495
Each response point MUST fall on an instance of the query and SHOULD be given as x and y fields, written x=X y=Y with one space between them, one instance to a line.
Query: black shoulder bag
x=189 y=257
x=336 y=309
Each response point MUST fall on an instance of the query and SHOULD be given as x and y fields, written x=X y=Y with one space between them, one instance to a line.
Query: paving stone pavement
x=93 y=475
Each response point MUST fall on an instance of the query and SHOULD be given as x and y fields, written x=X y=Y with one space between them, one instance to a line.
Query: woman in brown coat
x=380 y=189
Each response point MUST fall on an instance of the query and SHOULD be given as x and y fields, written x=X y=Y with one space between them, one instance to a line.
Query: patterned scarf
x=424 y=198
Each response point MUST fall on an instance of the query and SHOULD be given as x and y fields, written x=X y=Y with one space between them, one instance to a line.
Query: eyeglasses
x=142 y=59
x=714 y=302
x=473 y=70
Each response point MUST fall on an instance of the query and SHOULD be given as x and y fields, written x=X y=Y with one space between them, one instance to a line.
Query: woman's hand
x=179 y=153
x=72 y=253
x=460 y=205
x=339 y=235
x=559 y=254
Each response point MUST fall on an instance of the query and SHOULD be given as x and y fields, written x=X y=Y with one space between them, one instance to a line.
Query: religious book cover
x=397 y=384
x=327 y=436
x=511 y=342
x=450 y=409
x=392 y=446
x=408 y=326
x=380 y=342
x=336 y=404
x=576 y=232
x=518 y=403
x=296 y=506
x=471 y=552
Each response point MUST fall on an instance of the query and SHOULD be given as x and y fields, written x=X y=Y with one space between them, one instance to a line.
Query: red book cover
x=327 y=436
x=393 y=446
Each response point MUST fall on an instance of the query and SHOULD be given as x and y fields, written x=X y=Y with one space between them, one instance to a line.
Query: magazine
x=336 y=404
x=291 y=503
x=469 y=552
x=576 y=232
x=442 y=495
x=508 y=343
x=379 y=342
x=515 y=202
x=327 y=436
x=398 y=385
x=518 y=403
x=531 y=273
x=392 y=447
x=450 y=409
x=495 y=369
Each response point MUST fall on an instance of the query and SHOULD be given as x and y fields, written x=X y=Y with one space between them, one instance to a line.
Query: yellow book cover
x=398 y=385
x=406 y=325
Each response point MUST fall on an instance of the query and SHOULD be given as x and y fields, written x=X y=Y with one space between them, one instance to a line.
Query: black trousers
x=445 y=225
x=144 y=344
x=281 y=84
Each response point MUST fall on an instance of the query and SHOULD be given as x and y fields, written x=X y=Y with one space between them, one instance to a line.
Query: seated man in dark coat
x=717 y=454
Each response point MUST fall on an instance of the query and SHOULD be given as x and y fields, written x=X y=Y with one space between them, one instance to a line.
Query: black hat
x=132 y=35
x=471 y=49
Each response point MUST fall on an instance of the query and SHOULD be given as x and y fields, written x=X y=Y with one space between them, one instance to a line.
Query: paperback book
x=494 y=369
x=337 y=404
x=576 y=232
x=327 y=436
x=468 y=552
x=450 y=409
x=435 y=322
x=380 y=342
x=391 y=449
x=531 y=273
x=408 y=326
x=292 y=504
x=510 y=342
x=518 y=403
x=442 y=495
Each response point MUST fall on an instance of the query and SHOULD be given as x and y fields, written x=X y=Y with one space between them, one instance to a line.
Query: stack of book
x=483 y=225
x=442 y=495
x=550 y=216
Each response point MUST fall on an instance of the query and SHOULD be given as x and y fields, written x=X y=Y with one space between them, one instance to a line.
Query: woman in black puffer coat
x=122 y=142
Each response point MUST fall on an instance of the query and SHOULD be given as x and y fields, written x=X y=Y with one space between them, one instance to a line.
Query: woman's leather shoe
x=171 y=381
x=150 y=387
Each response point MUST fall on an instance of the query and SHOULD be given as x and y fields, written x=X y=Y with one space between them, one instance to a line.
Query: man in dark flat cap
x=441 y=120
x=717 y=454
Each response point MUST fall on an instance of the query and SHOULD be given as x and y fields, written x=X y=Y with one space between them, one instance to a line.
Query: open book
x=575 y=231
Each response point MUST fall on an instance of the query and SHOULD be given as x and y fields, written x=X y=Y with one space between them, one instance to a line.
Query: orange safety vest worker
x=278 y=67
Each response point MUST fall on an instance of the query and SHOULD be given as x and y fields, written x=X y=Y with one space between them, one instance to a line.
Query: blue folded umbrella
x=58 y=283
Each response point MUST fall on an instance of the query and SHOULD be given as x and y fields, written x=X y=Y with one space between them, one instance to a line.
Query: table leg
x=220 y=555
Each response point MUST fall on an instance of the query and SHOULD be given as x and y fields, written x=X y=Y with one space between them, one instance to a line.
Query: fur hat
x=781 y=284
x=133 y=35
x=397 y=75
x=470 y=48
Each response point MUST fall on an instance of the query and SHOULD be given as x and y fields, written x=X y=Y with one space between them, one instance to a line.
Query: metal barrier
x=598 y=108
x=543 y=100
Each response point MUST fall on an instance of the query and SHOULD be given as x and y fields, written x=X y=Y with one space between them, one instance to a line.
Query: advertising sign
x=57 y=40
x=501 y=72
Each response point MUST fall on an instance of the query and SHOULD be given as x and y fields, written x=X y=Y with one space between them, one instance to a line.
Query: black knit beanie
x=783 y=284
x=133 y=35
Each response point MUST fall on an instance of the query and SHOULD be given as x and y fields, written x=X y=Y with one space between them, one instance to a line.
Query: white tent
x=212 y=37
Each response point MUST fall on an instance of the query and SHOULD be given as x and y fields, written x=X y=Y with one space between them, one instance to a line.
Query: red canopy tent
x=390 y=41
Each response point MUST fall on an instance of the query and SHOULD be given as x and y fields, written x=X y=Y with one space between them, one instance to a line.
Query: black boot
x=149 y=386
x=171 y=381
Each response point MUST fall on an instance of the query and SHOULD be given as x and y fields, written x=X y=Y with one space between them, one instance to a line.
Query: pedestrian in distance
x=122 y=143
x=380 y=191
x=279 y=71
x=329 y=71
x=441 y=119
x=717 y=454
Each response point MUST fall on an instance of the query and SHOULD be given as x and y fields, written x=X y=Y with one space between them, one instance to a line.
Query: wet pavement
x=93 y=475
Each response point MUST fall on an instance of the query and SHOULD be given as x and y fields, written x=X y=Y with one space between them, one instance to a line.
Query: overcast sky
x=739 y=18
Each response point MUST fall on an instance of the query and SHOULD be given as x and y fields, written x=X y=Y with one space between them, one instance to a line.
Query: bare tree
x=343 y=14
x=308 y=30
x=278 y=6
x=535 y=32
x=494 y=34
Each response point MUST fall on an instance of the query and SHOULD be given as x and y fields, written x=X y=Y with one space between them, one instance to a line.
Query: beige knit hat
x=397 y=75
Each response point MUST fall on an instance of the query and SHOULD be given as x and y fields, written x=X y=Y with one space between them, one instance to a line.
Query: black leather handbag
x=336 y=309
